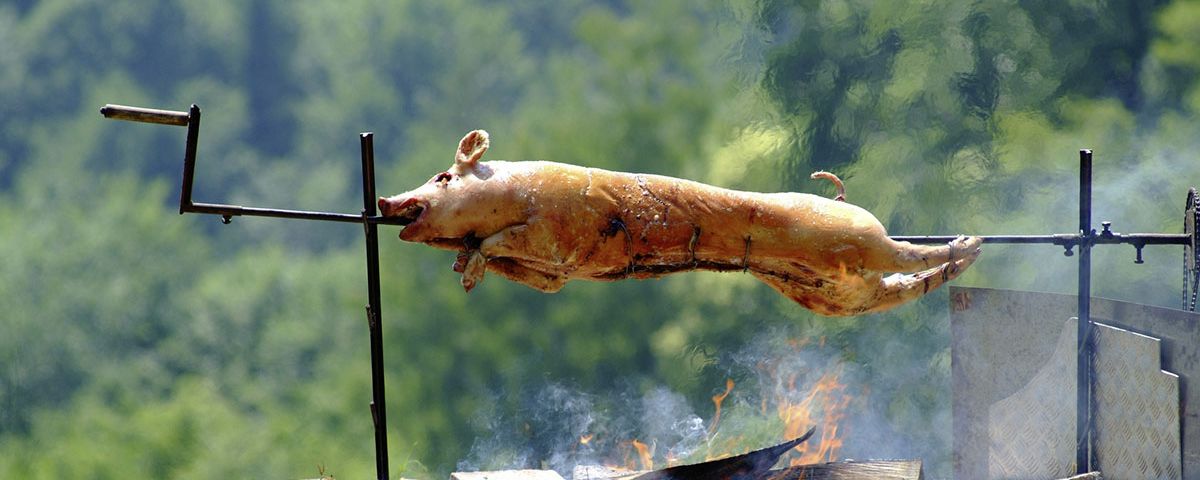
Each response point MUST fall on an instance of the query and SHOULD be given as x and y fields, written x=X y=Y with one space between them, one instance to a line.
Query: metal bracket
x=368 y=218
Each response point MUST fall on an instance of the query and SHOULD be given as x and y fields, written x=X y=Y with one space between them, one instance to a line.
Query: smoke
x=782 y=385
x=551 y=417
x=559 y=428
x=668 y=420
x=1138 y=184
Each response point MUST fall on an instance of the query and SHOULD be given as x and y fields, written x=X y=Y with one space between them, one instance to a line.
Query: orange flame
x=585 y=439
x=823 y=405
x=829 y=399
x=717 y=400
x=645 y=454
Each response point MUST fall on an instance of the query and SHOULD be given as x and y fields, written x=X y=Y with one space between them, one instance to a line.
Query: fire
x=799 y=407
x=829 y=400
x=645 y=454
x=585 y=439
x=717 y=400
x=793 y=400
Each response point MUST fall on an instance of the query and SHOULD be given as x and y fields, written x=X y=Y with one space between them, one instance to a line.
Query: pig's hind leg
x=886 y=255
x=900 y=288
x=903 y=287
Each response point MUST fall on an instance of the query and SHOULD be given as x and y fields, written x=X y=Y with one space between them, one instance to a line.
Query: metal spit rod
x=167 y=117
x=1106 y=237
x=186 y=205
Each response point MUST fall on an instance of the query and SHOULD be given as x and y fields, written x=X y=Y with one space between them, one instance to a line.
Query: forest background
x=135 y=343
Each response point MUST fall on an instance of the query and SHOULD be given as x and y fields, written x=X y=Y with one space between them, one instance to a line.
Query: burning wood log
x=846 y=470
x=745 y=466
x=601 y=472
x=757 y=465
x=508 y=475
x=851 y=470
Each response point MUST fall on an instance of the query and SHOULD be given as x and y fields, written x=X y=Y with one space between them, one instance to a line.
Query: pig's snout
x=385 y=207
x=407 y=210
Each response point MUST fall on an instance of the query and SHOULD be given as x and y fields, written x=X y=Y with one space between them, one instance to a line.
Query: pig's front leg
x=509 y=250
x=471 y=264
x=534 y=241
x=533 y=278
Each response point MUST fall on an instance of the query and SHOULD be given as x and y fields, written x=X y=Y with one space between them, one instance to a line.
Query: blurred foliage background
x=136 y=343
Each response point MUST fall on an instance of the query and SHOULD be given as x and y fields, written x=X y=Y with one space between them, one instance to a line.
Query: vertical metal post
x=373 y=315
x=1083 y=437
x=189 y=159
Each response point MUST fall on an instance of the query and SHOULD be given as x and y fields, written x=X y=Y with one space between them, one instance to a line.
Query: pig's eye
x=443 y=178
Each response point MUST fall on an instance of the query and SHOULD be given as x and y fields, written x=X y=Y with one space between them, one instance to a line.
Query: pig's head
x=466 y=201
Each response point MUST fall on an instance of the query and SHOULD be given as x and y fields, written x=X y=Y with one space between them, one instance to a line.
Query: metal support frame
x=1083 y=341
x=369 y=219
x=1084 y=239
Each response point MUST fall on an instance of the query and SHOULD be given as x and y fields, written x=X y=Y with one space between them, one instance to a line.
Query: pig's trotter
x=474 y=264
x=460 y=262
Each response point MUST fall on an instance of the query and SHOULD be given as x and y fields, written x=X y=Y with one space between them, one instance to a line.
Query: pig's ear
x=471 y=148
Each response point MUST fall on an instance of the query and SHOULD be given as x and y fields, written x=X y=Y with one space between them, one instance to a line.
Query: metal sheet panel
x=1031 y=433
x=1137 y=408
x=1002 y=342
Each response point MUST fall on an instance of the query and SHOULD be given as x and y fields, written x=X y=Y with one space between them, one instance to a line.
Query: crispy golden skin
x=543 y=223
